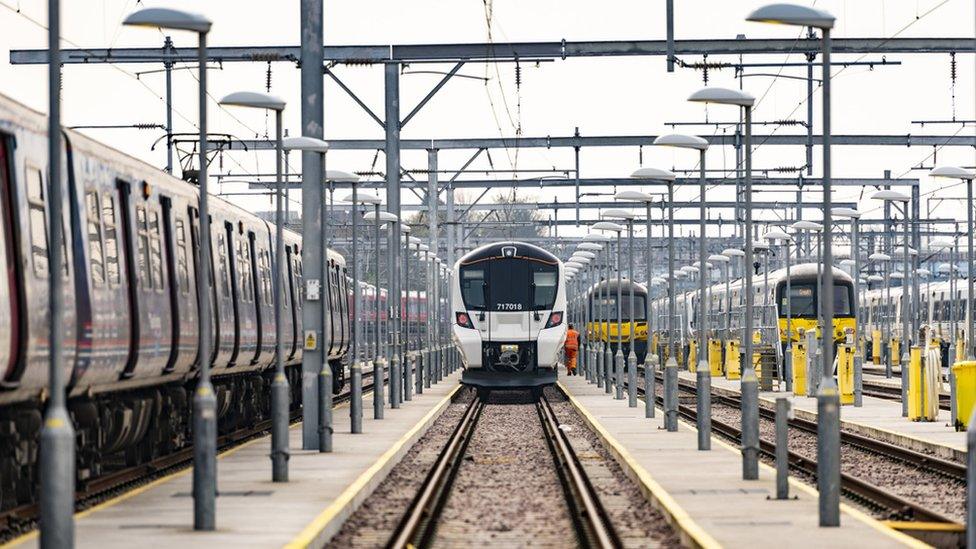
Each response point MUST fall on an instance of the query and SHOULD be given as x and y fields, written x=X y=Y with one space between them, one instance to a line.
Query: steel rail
x=593 y=525
x=419 y=525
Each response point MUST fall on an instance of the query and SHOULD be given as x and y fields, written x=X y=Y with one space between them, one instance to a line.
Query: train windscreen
x=509 y=284
x=803 y=299
x=640 y=307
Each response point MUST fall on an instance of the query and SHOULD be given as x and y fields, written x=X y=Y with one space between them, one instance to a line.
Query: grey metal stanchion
x=379 y=379
x=750 y=424
x=812 y=363
x=703 y=406
x=671 y=394
x=599 y=367
x=325 y=406
x=419 y=371
x=356 y=395
x=782 y=448
x=650 y=367
x=395 y=378
x=858 y=379
x=632 y=381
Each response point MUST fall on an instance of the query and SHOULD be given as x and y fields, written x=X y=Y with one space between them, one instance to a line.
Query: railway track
x=869 y=494
x=20 y=519
x=418 y=527
x=890 y=392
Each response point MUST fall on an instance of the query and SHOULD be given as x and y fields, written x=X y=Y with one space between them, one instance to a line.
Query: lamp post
x=585 y=258
x=411 y=361
x=204 y=401
x=588 y=308
x=379 y=362
x=879 y=257
x=730 y=253
x=703 y=375
x=966 y=176
x=602 y=289
x=631 y=359
x=749 y=384
x=279 y=384
x=773 y=237
x=906 y=337
x=813 y=380
x=828 y=397
x=854 y=216
x=618 y=357
x=320 y=423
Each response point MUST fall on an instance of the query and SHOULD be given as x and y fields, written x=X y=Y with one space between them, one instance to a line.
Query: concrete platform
x=703 y=493
x=324 y=489
x=878 y=418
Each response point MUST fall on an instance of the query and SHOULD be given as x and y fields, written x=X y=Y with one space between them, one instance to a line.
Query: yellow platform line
x=694 y=534
x=309 y=534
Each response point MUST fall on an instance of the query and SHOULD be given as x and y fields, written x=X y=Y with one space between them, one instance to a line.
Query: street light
x=897 y=197
x=618 y=358
x=828 y=397
x=774 y=236
x=884 y=259
x=55 y=516
x=588 y=309
x=749 y=384
x=632 y=354
x=279 y=385
x=967 y=176
x=408 y=367
x=379 y=361
x=318 y=427
x=855 y=263
x=603 y=352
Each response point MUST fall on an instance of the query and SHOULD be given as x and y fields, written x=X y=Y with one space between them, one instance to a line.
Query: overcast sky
x=601 y=96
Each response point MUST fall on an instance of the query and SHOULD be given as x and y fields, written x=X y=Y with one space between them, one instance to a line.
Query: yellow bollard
x=965 y=371
x=654 y=341
x=895 y=347
x=915 y=396
x=693 y=356
x=876 y=347
x=845 y=373
x=715 y=357
x=960 y=350
x=732 y=360
x=799 y=369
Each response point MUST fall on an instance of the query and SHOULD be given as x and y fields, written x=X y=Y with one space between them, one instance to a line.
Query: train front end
x=509 y=307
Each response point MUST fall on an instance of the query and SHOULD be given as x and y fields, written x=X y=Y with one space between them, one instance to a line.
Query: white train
x=936 y=311
x=509 y=305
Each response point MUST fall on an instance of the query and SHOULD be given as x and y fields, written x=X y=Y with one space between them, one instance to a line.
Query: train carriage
x=509 y=304
x=602 y=323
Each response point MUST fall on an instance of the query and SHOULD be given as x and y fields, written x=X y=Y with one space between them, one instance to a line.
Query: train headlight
x=464 y=320
x=555 y=319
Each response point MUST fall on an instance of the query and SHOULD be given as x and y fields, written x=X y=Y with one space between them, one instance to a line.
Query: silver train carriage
x=509 y=305
x=131 y=318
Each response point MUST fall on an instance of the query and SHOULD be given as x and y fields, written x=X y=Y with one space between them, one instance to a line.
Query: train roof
x=36 y=121
x=612 y=284
x=511 y=248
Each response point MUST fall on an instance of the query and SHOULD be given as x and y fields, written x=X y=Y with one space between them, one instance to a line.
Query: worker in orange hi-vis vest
x=571 y=347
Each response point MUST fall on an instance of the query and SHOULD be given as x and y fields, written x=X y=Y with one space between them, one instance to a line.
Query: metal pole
x=704 y=375
x=391 y=72
x=607 y=353
x=828 y=397
x=379 y=364
x=313 y=195
x=671 y=366
x=324 y=426
x=57 y=434
x=632 y=355
x=782 y=449
x=788 y=361
x=356 y=372
x=906 y=313
x=858 y=317
x=279 y=385
x=204 y=400
x=970 y=294
x=749 y=385
x=669 y=29
x=168 y=68
x=650 y=361
x=618 y=356
x=600 y=298
x=408 y=362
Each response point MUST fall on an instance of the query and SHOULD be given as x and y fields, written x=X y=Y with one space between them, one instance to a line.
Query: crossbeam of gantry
x=501 y=51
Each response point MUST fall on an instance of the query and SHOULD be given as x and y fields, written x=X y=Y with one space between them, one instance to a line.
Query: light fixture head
x=633 y=196
x=682 y=141
x=891 y=195
x=383 y=217
x=806 y=226
x=168 y=18
x=953 y=172
x=615 y=213
x=254 y=100
x=719 y=258
x=654 y=174
x=733 y=252
x=849 y=213
x=723 y=96
x=339 y=176
x=776 y=234
x=793 y=14
x=608 y=226
x=305 y=143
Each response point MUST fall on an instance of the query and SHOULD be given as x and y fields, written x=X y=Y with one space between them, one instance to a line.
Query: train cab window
x=182 y=266
x=93 y=211
x=544 y=284
x=802 y=302
x=38 y=221
x=473 y=289
x=111 y=241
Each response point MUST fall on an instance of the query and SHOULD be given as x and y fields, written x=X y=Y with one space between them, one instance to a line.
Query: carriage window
x=244 y=267
x=156 y=255
x=38 y=221
x=222 y=258
x=182 y=270
x=111 y=241
x=143 y=252
x=95 y=239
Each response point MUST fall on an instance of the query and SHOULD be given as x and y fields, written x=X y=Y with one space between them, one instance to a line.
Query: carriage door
x=9 y=296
